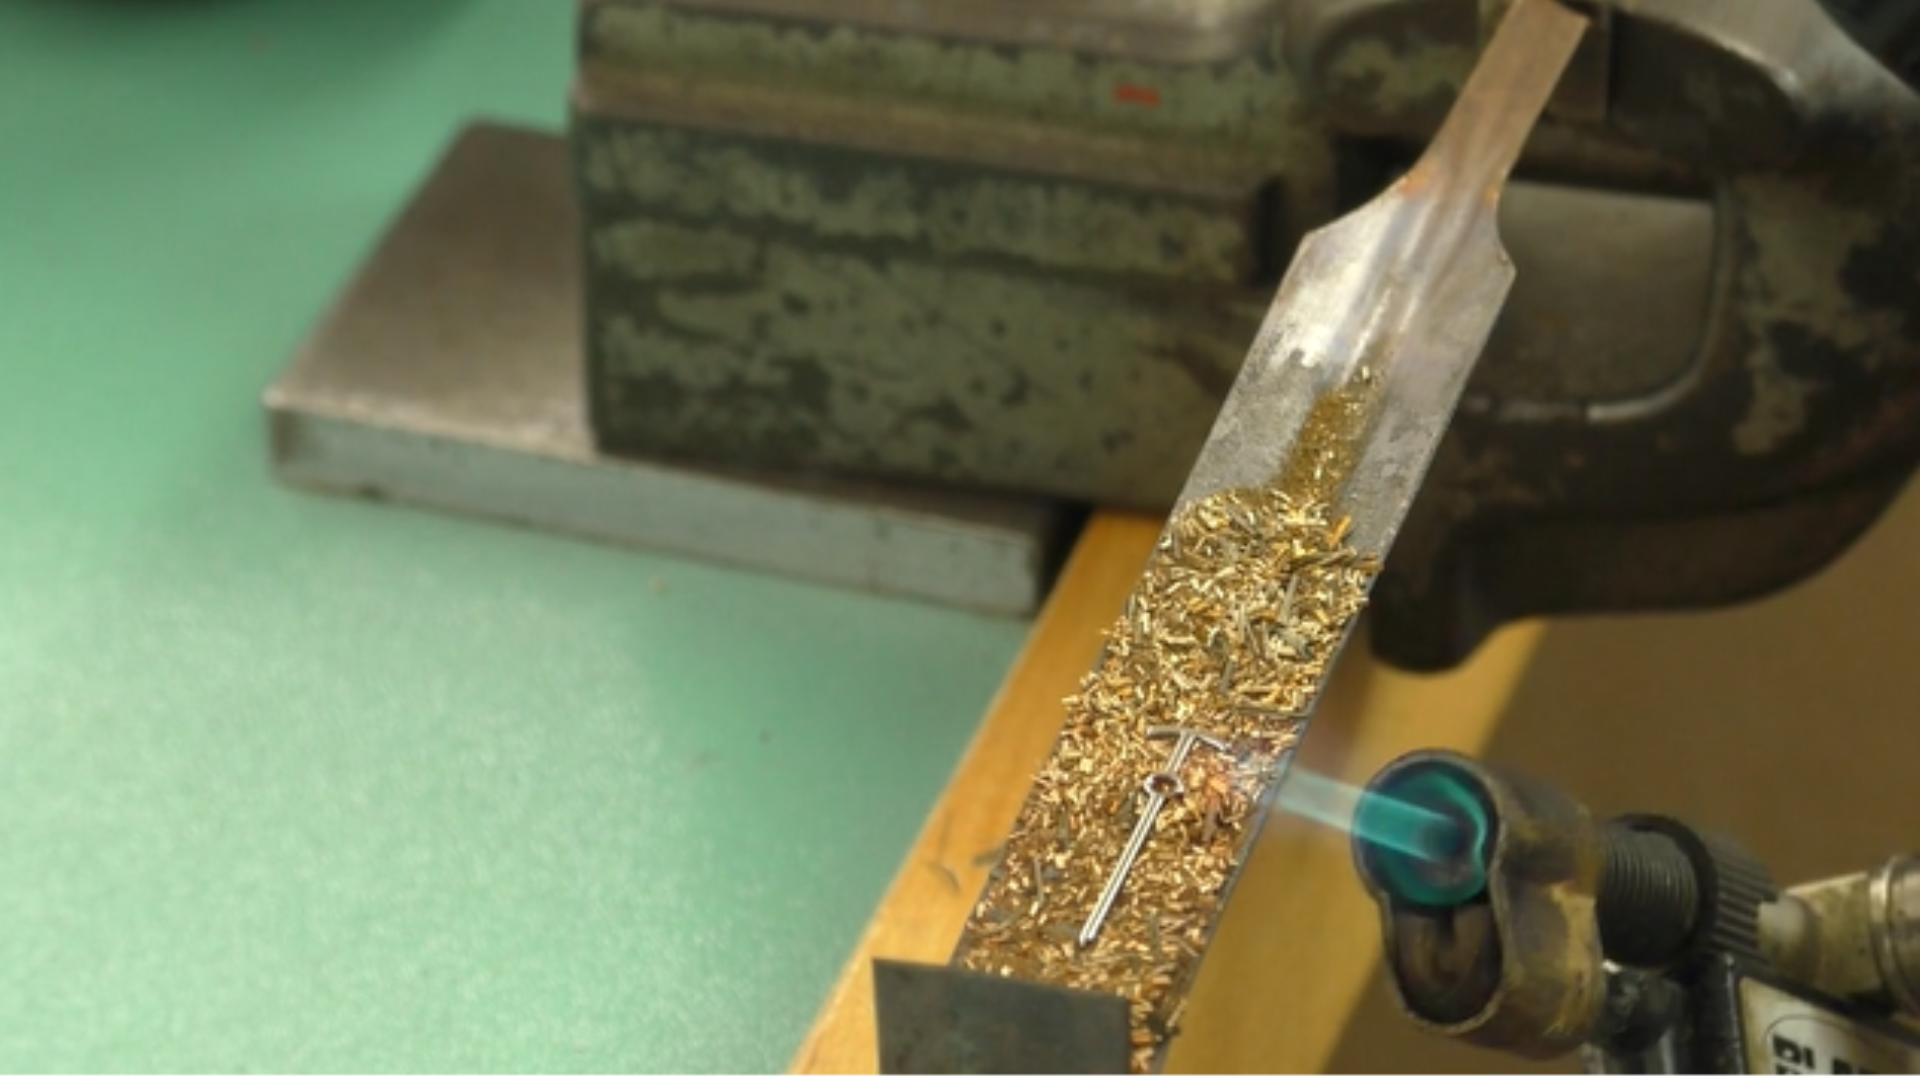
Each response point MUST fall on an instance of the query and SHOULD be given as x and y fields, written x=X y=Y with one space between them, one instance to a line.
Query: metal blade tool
x=1329 y=430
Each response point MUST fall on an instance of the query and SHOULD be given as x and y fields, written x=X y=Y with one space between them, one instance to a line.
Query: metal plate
x=449 y=375
x=937 y=1019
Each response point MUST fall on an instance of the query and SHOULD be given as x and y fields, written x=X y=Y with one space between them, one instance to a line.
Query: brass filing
x=1244 y=603
x=1159 y=788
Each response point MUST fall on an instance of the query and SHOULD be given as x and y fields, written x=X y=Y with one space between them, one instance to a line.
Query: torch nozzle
x=1422 y=835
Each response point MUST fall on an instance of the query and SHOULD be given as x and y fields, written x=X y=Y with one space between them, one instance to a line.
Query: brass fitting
x=1855 y=937
x=1518 y=967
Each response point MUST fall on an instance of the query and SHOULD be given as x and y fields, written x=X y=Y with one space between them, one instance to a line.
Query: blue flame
x=1428 y=833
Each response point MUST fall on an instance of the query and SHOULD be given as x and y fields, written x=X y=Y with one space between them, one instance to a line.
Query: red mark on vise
x=1128 y=94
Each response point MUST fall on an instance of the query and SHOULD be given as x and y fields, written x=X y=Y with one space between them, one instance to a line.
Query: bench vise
x=1021 y=247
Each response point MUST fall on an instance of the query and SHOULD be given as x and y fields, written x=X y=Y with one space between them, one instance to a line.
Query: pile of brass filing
x=1244 y=603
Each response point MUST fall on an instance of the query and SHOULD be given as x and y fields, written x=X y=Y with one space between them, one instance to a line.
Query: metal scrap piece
x=936 y=1019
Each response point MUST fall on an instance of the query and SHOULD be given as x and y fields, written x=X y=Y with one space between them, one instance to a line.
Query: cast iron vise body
x=998 y=246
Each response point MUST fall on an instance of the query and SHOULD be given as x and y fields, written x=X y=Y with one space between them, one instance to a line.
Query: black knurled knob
x=1740 y=887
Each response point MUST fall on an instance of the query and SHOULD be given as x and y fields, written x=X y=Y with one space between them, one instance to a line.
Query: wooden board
x=1298 y=940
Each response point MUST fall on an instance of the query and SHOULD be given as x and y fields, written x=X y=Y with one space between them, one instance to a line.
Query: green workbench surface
x=296 y=783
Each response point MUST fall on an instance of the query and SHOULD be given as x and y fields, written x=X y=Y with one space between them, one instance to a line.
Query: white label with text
x=1787 y=1037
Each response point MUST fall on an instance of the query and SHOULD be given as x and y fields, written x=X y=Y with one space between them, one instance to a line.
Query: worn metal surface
x=1789 y=421
x=927 y=279
x=1181 y=31
x=742 y=345
x=1029 y=268
x=449 y=375
x=1587 y=84
x=934 y=1019
x=1889 y=29
x=1894 y=891
x=1855 y=937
